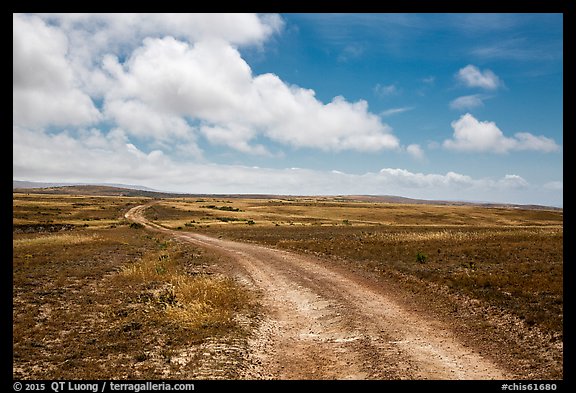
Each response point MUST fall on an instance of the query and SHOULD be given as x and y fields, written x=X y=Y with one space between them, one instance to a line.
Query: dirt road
x=323 y=322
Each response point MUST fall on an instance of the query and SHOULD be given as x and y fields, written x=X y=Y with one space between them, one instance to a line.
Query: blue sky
x=433 y=106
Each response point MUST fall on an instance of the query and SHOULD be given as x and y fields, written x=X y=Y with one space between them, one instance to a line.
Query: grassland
x=95 y=298
x=510 y=258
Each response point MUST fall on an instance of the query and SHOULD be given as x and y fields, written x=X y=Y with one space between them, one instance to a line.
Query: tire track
x=327 y=323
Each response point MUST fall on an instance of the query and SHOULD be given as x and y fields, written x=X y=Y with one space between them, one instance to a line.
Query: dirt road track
x=323 y=322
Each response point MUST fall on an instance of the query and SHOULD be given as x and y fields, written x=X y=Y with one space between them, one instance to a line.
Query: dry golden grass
x=508 y=257
x=205 y=301
x=101 y=300
x=457 y=235
x=191 y=300
x=82 y=211
x=190 y=213
x=55 y=240
x=520 y=270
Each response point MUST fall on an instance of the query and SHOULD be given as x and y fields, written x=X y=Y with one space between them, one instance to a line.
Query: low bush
x=421 y=257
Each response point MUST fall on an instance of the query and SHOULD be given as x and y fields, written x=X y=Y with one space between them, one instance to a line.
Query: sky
x=431 y=106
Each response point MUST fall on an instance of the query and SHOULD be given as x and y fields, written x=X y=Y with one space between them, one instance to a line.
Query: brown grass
x=57 y=239
x=508 y=257
x=98 y=299
x=101 y=302
x=519 y=270
x=329 y=212
x=192 y=301
x=88 y=211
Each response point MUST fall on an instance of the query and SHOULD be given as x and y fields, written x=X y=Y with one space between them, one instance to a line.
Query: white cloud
x=351 y=52
x=395 y=111
x=211 y=83
x=555 y=185
x=484 y=136
x=72 y=156
x=430 y=80
x=167 y=78
x=60 y=59
x=142 y=120
x=87 y=154
x=170 y=76
x=527 y=141
x=385 y=90
x=467 y=102
x=115 y=30
x=519 y=49
x=471 y=76
x=93 y=36
x=407 y=179
x=45 y=90
x=513 y=181
x=473 y=135
x=234 y=136
x=415 y=151
x=165 y=81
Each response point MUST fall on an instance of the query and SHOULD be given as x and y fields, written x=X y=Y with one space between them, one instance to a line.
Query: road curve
x=322 y=322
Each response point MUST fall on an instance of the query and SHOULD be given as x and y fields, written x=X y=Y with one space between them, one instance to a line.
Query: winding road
x=324 y=322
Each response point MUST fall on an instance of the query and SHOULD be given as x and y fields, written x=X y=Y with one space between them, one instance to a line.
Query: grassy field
x=96 y=299
x=508 y=257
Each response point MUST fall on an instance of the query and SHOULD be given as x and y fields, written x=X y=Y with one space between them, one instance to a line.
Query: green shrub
x=421 y=257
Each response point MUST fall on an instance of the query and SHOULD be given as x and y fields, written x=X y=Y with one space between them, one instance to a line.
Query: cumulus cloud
x=142 y=120
x=407 y=179
x=513 y=181
x=471 y=76
x=119 y=31
x=234 y=136
x=156 y=84
x=473 y=135
x=173 y=78
x=93 y=36
x=44 y=90
x=210 y=82
x=527 y=141
x=85 y=154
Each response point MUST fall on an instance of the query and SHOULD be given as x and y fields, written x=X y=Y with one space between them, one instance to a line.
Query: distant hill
x=397 y=199
x=140 y=191
x=33 y=184
x=96 y=190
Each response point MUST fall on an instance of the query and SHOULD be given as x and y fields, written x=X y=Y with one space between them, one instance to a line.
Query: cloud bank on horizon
x=239 y=103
